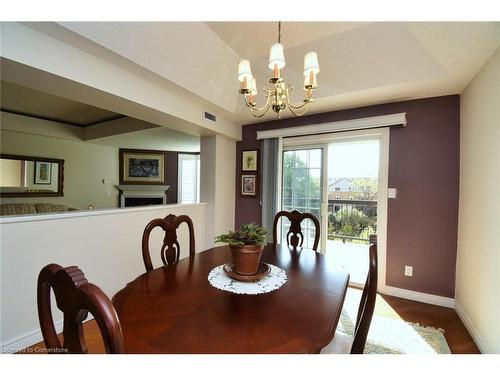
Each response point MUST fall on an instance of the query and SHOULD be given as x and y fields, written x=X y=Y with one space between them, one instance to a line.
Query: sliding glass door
x=302 y=187
x=341 y=178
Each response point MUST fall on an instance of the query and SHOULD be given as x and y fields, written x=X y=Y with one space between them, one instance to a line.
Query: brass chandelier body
x=278 y=96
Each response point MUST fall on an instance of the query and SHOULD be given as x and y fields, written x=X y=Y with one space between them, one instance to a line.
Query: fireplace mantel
x=154 y=192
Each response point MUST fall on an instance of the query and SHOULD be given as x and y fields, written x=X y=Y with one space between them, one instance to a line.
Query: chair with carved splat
x=295 y=237
x=343 y=344
x=75 y=297
x=170 y=251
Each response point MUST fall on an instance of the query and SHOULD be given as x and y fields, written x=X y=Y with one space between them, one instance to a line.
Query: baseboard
x=23 y=341
x=418 y=296
x=470 y=328
x=30 y=338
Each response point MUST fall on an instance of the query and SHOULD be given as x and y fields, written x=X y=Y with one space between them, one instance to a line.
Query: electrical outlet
x=392 y=193
x=409 y=271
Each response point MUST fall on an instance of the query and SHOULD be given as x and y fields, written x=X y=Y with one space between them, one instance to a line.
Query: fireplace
x=142 y=195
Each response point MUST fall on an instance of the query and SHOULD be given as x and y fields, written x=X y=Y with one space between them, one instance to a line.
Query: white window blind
x=189 y=178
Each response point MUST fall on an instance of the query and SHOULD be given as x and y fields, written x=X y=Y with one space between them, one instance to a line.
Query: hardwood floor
x=456 y=334
x=93 y=339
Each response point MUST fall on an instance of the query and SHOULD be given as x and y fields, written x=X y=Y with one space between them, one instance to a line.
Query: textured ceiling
x=368 y=63
x=361 y=63
x=253 y=39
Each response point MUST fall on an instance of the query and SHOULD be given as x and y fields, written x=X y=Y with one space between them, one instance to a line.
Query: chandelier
x=278 y=96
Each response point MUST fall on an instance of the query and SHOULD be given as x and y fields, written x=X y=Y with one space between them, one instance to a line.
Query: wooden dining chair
x=295 y=234
x=343 y=344
x=170 y=251
x=75 y=297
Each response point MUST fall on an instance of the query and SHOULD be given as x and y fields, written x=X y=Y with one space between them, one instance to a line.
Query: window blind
x=189 y=178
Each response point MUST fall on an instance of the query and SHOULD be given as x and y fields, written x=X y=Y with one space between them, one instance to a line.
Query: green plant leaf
x=249 y=234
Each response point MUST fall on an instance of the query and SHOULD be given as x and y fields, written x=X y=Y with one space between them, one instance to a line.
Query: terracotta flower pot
x=246 y=258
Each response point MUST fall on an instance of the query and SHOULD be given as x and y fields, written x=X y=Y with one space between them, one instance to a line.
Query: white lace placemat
x=274 y=280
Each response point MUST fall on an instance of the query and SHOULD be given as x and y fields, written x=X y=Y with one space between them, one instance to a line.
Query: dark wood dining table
x=174 y=309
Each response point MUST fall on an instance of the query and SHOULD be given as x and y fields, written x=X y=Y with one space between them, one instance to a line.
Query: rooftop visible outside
x=352 y=190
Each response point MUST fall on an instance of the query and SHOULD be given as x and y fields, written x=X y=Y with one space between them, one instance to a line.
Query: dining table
x=174 y=309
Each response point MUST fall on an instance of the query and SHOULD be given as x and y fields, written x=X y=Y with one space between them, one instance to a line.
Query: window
x=189 y=178
x=337 y=188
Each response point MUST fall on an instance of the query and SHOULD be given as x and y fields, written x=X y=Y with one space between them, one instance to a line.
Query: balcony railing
x=351 y=220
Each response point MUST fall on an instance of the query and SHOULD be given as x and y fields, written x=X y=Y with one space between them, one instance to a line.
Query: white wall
x=208 y=180
x=226 y=188
x=10 y=173
x=478 y=257
x=105 y=245
x=218 y=166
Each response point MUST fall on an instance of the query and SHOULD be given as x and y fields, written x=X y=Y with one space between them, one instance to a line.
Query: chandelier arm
x=297 y=106
x=262 y=114
x=264 y=107
x=299 y=113
x=290 y=105
x=288 y=94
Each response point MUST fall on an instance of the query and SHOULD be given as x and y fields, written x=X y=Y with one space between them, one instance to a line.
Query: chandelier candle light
x=278 y=96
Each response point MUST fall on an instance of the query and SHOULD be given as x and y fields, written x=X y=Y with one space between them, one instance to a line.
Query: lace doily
x=274 y=280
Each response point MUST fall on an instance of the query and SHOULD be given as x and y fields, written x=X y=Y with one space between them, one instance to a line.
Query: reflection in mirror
x=30 y=176
x=86 y=141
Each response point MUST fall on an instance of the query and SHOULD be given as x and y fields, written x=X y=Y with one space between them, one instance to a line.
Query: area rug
x=389 y=333
x=389 y=336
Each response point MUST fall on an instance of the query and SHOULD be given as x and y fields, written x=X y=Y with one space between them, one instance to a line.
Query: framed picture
x=42 y=173
x=249 y=160
x=142 y=167
x=249 y=185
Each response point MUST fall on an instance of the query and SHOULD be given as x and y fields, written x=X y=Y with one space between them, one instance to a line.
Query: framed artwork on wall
x=142 y=167
x=42 y=173
x=249 y=185
x=249 y=160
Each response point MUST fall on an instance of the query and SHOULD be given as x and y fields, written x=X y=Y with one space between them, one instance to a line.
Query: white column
x=218 y=158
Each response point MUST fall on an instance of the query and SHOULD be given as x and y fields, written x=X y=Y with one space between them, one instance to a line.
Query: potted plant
x=246 y=247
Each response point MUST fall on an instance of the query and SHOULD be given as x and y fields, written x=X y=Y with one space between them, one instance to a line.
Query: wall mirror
x=29 y=176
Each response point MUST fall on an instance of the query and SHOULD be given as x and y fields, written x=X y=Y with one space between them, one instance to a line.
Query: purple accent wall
x=424 y=166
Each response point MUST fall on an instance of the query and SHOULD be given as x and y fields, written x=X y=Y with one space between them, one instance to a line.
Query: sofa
x=32 y=208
